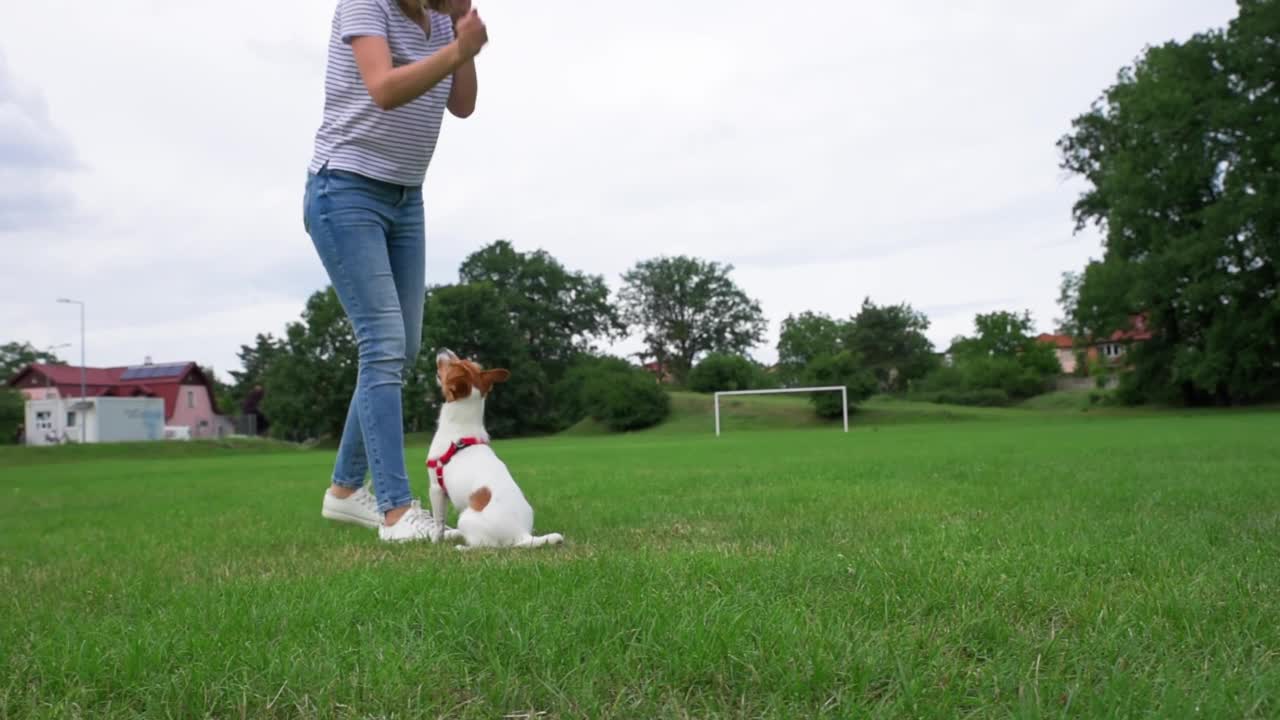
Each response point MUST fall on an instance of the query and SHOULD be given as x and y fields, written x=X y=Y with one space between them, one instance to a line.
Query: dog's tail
x=532 y=541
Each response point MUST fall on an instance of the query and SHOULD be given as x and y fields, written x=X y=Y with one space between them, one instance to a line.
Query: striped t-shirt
x=356 y=135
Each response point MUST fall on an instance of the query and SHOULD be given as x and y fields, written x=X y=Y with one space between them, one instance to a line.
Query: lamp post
x=49 y=351
x=83 y=391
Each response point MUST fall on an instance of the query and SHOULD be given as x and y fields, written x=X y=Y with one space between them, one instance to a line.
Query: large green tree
x=474 y=321
x=804 y=338
x=686 y=307
x=557 y=313
x=890 y=340
x=528 y=313
x=1183 y=179
x=254 y=361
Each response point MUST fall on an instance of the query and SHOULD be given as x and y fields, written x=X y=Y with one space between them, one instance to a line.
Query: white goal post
x=844 y=398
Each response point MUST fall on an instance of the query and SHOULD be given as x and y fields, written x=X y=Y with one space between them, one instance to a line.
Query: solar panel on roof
x=148 y=372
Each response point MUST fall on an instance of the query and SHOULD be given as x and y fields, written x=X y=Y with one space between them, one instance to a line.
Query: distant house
x=182 y=403
x=659 y=371
x=1111 y=349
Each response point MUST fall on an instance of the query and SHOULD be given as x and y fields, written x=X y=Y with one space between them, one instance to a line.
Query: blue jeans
x=371 y=237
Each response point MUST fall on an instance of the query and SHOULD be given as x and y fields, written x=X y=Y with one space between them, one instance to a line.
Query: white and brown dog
x=463 y=467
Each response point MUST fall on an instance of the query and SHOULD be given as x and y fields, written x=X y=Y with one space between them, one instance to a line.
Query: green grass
x=1061 y=400
x=1011 y=564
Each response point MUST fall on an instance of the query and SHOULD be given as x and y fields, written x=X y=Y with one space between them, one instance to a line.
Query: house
x=659 y=371
x=1064 y=347
x=1110 y=349
x=176 y=398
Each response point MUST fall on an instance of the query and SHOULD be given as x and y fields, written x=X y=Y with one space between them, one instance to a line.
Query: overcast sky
x=153 y=154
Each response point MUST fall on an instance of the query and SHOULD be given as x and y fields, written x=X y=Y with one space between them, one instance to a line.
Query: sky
x=153 y=155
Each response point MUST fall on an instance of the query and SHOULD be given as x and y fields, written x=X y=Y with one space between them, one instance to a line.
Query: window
x=191 y=399
x=71 y=419
x=1112 y=350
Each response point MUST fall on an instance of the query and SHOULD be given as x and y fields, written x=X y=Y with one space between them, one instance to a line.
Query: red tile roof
x=1136 y=332
x=1062 y=342
x=110 y=382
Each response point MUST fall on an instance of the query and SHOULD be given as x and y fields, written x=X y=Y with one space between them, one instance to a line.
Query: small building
x=1110 y=349
x=95 y=420
x=57 y=409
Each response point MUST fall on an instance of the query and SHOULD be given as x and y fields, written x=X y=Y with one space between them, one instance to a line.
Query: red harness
x=438 y=464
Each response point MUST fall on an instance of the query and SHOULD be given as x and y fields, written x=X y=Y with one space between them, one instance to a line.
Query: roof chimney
x=146 y=360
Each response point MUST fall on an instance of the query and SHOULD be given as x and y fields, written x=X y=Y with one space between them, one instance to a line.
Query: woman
x=394 y=67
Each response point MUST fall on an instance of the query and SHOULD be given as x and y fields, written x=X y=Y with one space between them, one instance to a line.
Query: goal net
x=844 y=398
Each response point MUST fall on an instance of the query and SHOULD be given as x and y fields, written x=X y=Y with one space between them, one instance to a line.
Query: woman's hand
x=471 y=33
x=459 y=9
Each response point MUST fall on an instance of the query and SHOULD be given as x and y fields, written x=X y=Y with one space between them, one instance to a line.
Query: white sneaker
x=361 y=508
x=415 y=524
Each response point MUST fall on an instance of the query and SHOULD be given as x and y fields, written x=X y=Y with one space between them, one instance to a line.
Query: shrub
x=570 y=396
x=12 y=413
x=762 y=379
x=845 y=369
x=627 y=401
x=986 y=397
x=718 y=372
x=614 y=392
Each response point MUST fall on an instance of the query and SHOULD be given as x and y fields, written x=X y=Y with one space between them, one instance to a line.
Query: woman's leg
x=407 y=250
x=350 y=220
x=407 y=247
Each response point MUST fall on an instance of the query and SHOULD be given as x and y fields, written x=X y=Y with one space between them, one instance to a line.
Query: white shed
x=97 y=420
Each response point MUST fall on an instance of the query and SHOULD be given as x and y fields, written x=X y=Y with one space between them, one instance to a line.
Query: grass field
x=933 y=563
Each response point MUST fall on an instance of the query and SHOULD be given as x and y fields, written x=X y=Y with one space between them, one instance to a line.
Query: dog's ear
x=489 y=378
x=456 y=382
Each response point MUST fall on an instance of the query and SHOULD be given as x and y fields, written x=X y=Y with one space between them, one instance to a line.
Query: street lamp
x=49 y=352
x=83 y=391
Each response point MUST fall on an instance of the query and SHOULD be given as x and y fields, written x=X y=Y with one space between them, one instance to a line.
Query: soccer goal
x=844 y=398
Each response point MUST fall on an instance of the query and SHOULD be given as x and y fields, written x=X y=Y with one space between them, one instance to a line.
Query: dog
x=465 y=470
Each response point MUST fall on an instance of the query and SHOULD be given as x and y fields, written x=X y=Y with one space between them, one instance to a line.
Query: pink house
x=188 y=395
x=1111 y=348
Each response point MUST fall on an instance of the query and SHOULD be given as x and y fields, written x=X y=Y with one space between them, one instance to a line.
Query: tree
x=254 y=361
x=613 y=392
x=721 y=371
x=571 y=397
x=999 y=334
x=1002 y=361
x=805 y=337
x=474 y=321
x=557 y=313
x=14 y=356
x=891 y=341
x=686 y=307
x=522 y=311
x=835 y=369
x=12 y=413
x=248 y=388
x=1179 y=160
x=311 y=377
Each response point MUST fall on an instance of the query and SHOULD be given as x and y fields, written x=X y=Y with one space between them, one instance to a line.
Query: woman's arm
x=462 y=96
x=390 y=87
